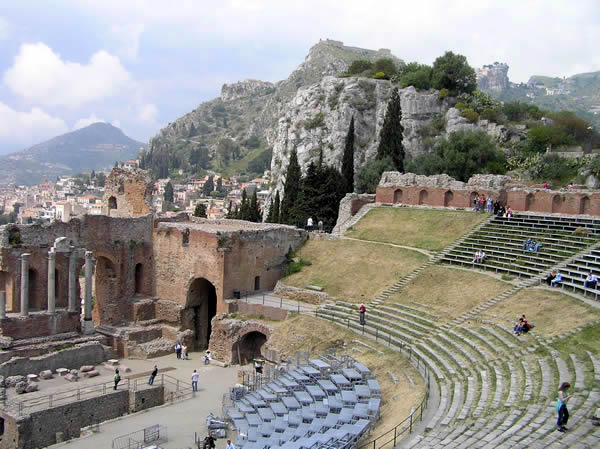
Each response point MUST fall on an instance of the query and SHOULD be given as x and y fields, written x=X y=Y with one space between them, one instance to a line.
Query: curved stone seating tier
x=502 y=239
x=327 y=402
x=575 y=272
x=495 y=391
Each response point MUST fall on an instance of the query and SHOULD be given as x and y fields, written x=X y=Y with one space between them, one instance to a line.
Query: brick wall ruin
x=444 y=191
x=127 y=193
x=238 y=339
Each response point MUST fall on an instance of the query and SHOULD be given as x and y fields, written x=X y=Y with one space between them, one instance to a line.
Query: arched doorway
x=112 y=203
x=423 y=194
x=106 y=290
x=139 y=278
x=448 y=198
x=398 y=196
x=556 y=203
x=35 y=301
x=529 y=201
x=248 y=347
x=57 y=286
x=6 y=285
x=585 y=205
x=201 y=307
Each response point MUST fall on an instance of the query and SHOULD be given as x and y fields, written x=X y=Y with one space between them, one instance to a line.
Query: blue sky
x=142 y=63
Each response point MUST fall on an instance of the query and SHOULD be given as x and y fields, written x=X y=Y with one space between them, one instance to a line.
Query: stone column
x=73 y=277
x=51 y=281
x=88 y=325
x=2 y=304
x=25 y=284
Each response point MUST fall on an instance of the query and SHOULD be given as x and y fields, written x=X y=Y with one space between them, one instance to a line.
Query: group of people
x=554 y=279
x=522 y=326
x=479 y=256
x=483 y=204
x=310 y=225
x=591 y=281
x=532 y=245
x=181 y=351
x=503 y=211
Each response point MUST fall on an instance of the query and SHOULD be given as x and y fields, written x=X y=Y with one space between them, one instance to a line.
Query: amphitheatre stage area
x=433 y=361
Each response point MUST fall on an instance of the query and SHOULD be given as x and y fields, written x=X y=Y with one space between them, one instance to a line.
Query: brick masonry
x=443 y=191
x=226 y=333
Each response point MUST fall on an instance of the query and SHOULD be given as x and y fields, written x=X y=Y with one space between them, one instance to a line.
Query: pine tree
x=209 y=186
x=200 y=210
x=254 y=211
x=276 y=206
x=168 y=196
x=293 y=178
x=390 y=138
x=348 y=160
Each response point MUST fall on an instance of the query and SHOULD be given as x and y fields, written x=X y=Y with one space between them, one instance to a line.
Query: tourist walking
x=309 y=224
x=195 y=376
x=230 y=445
x=153 y=375
x=184 y=352
x=117 y=378
x=207 y=358
x=178 y=350
x=561 y=406
x=361 y=311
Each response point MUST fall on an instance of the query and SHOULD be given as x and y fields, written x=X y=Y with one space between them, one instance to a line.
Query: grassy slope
x=420 y=228
x=353 y=271
x=303 y=333
x=552 y=312
x=449 y=292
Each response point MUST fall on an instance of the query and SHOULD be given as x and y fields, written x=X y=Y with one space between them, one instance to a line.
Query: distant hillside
x=95 y=147
x=578 y=93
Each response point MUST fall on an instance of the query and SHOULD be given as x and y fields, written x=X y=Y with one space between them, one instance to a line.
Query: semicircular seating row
x=328 y=402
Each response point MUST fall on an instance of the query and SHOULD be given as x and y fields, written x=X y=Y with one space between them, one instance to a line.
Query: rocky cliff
x=493 y=77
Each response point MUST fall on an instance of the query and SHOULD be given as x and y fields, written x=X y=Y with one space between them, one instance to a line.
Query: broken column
x=51 y=281
x=88 y=325
x=2 y=304
x=25 y=284
x=73 y=276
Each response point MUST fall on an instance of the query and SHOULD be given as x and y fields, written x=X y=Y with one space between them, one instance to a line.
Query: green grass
x=579 y=343
x=353 y=271
x=241 y=165
x=427 y=229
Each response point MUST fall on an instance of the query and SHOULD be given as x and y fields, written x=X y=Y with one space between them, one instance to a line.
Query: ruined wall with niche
x=444 y=191
x=228 y=332
x=128 y=193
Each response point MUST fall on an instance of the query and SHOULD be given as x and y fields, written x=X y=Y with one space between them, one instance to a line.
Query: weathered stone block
x=112 y=362
x=46 y=374
x=74 y=372
x=62 y=371
x=30 y=388
x=12 y=381
x=92 y=373
x=20 y=387
x=33 y=378
x=71 y=377
x=124 y=369
x=86 y=368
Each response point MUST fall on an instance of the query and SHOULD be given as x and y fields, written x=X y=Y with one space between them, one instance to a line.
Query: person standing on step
x=561 y=406
x=117 y=378
x=177 y=348
x=361 y=311
x=153 y=375
x=309 y=224
x=195 y=376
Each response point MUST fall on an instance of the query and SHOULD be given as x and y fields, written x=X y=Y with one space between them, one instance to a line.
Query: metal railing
x=141 y=438
x=175 y=389
x=277 y=302
x=390 y=438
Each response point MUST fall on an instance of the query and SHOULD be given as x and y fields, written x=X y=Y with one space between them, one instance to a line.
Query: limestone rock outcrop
x=493 y=77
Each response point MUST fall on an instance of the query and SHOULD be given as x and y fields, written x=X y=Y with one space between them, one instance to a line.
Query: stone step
x=579 y=370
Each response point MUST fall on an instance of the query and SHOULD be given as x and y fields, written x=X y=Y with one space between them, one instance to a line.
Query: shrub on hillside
x=470 y=115
x=460 y=105
x=381 y=76
x=371 y=174
x=385 y=65
x=414 y=74
x=359 y=66
x=452 y=72
x=443 y=93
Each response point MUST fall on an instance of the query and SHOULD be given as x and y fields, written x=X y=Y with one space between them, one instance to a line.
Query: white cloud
x=128 y=36
x=41 y=76
x=148 y=113
x=83 y=122
x=28 y=127
x=4 y=29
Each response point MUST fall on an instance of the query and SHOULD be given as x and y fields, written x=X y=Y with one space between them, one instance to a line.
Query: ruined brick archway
x=556 y=203
x=139 y=278
x=585 y=206
x=36 y=299
x=448 y=198
x=398 y=196
x=529 y=201
x=423 y=194
x=106 y=289
x=200 y=308
x=247 y=347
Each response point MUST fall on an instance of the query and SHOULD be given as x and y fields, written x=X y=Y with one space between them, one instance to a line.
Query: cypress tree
x=293 y=178
x=276 y=206
x=230 y=210
x=168 y=196
x=254 y=211
x=270 y=214
x=390 y=138
x=244 y=213
x=209 y=186
x=348 y=160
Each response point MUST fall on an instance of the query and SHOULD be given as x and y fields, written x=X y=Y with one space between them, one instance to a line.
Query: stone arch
x=57 y=289
x=556 y=203
x=112 y=203
x=585 y=205
x=398 y=196
x=529 y=201
x=448 y=198
x=7 y=285
x=423 y=194
x=472 y=197
x=106 y=289
x=36 y=301
x=200 y=308
x=256 y=282
x=248 y=347
x=139 y=278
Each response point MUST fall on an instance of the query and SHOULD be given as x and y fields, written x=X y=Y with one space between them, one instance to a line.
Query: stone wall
x=444 y=191
x=39 y=324
x=39 y=428
x=146 y=398
x=85 y=354
x=349 y=206
x=127 y=193
x=226 y=332
x=270 y=313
